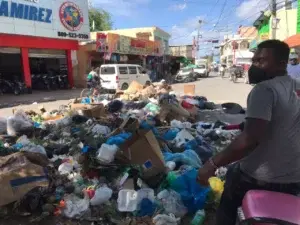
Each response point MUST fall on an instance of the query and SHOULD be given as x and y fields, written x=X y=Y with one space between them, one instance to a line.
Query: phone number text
x=72 y=35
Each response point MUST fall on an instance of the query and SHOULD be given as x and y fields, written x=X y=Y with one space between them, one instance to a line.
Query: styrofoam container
x=127 y=200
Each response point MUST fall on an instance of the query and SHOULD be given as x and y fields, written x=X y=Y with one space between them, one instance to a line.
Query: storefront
x=114 y=48
x=39 y=36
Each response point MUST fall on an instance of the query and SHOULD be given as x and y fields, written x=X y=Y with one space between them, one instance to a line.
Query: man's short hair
x=281 y=49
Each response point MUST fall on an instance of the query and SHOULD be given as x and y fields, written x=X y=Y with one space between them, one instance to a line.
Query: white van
x=119 y=76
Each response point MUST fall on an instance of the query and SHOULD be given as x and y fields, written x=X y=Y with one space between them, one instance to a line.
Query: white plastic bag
x=182 y=137
x=180 y=125
x=16 y=124
x=172 y=203
x=76 y=207
x=162 y=219
x=26 y=146
x=102 y=195
x=65 y=168
x=106 y=153
x=99 y=129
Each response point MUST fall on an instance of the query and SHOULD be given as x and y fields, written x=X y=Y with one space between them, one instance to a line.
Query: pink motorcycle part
x=267 y=204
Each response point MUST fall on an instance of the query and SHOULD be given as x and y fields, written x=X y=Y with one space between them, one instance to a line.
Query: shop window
x=123 y=70
x=132 y=70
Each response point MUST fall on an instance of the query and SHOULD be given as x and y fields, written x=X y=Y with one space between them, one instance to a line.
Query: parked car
x=186 y=75
x=119 y=76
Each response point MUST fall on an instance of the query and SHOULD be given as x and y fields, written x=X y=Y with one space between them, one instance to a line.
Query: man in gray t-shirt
x=267 y=152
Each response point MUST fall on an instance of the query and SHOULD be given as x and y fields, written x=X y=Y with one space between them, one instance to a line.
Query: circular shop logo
x=71 y=16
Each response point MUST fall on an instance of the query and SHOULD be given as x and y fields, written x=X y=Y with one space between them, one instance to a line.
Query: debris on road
x=112 y=161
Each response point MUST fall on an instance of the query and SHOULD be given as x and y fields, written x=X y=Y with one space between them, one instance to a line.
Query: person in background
x=94 y=80
x=266 y=155
x=293 y=68
x=222 y=70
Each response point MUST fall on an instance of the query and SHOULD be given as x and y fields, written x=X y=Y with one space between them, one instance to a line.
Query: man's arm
x=259 y=113
x=244 y=143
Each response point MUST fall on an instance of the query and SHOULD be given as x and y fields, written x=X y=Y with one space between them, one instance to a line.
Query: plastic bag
x=24 y=144
x=107 y=153
x=76 y=207
x=182 y=137
x=118 y=139
x=162 y=219
x=172 y=203
x=65 y=168
x=3 y=125
x=102 y=195
x=192 y=194
x=217 y=185
x=152 y=109
x=99 y=129
x=181 y=125
x=17 y=124
x=171 y=134
x=188 y=157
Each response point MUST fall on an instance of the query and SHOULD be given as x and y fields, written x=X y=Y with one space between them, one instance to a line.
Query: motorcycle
x=21 y=85
x=267 y=207
x=62 y=81
x=9 y=87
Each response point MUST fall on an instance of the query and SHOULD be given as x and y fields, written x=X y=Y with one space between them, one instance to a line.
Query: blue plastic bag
x=171 y=134
x=188 y=157
x=118 y=139
x=146 y=126
x=193 y=195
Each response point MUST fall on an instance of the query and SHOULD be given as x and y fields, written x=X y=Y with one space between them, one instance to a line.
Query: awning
x=293 y=41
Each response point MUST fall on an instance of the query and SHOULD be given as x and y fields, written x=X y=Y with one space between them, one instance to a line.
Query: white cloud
x=178 y=7
x=250 y=9
x=120 y=7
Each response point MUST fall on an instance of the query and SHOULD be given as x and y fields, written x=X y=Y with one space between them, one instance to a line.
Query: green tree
x=101 y=20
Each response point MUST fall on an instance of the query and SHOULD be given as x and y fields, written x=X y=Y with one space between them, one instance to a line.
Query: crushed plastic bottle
x=199 y=218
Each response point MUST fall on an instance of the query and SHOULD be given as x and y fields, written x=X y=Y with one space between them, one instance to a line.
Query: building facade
x=36 y=36
x=235 y=48
x=145 y=33
x=182 y=50
x=283 y=27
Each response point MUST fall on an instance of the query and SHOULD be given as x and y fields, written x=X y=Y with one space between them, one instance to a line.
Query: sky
x=181 y=18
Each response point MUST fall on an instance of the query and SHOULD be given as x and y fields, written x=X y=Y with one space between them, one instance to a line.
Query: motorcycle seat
x=271 y=205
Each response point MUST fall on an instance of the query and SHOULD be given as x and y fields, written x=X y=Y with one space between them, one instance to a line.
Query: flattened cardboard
x=143 y=149
x=189 y=89
x=19 y=174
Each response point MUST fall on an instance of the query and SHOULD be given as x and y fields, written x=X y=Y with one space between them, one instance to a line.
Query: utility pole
x=198 y=38
x=274 y=19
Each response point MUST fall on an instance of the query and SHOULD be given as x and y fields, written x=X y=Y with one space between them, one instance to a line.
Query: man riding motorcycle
x=94 y=80
x=267 y=152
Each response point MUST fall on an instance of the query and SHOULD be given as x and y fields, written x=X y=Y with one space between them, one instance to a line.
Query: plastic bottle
x=199 y=217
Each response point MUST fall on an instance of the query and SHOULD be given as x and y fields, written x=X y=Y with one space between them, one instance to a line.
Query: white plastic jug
x=106 y=153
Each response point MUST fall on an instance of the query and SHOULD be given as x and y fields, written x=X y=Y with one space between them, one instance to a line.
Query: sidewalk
x=38 y=96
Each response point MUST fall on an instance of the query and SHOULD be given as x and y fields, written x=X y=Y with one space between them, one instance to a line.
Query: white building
x=235 y=50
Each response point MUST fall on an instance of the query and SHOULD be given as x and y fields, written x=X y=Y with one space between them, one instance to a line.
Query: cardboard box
x=143 y=149
x=89 y=110
x=189 y=89
x=19 y=174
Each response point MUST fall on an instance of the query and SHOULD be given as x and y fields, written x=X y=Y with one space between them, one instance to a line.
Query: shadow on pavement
x=38 y=96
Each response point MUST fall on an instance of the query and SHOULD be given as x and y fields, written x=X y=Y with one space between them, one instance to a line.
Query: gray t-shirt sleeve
x=260 y=103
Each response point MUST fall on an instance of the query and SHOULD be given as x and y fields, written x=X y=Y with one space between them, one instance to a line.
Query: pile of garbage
x=111 y=162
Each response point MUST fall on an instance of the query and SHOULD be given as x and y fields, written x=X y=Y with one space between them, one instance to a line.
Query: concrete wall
x=287 y=25
x=83 y=66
